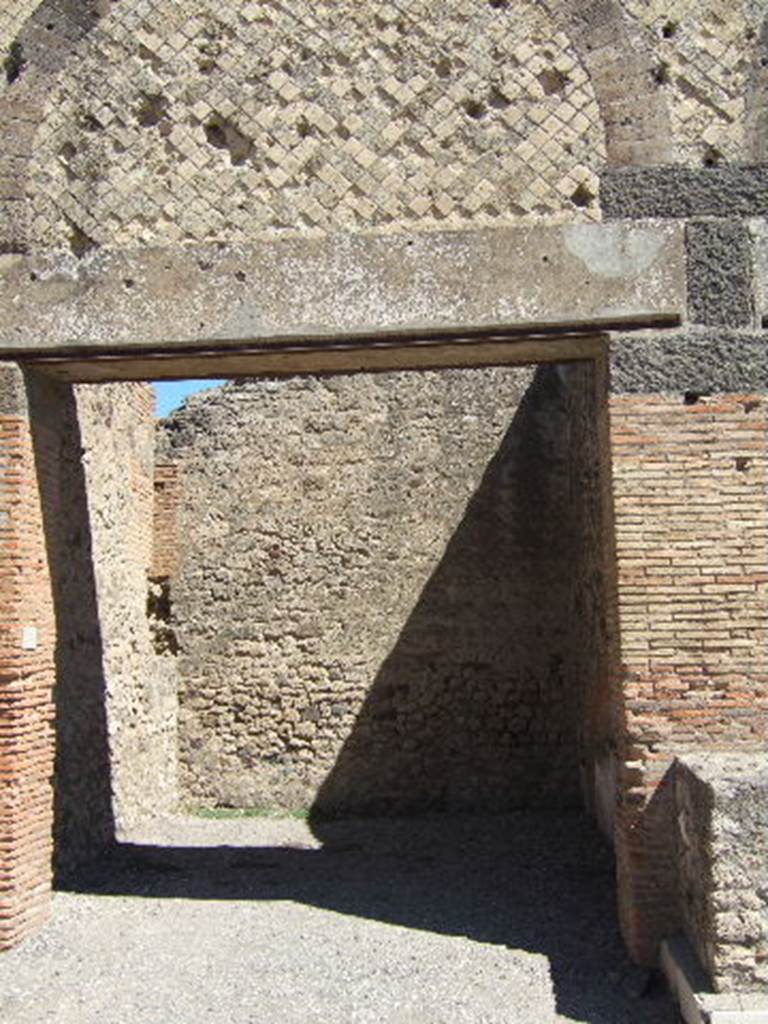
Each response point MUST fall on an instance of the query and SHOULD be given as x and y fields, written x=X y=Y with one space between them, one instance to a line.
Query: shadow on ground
x=527 y=881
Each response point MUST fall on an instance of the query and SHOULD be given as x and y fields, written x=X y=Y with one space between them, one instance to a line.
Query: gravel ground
x=440 y=920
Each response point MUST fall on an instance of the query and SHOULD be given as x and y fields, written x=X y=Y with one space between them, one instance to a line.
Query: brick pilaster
x=165 y=540
x=27 y=672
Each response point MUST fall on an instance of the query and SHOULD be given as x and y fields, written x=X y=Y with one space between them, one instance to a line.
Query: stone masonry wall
x=83 y=813
x=591 y=618
x=721 y=803
x=372 y=600
x=144 y=123
x=117 y=424
x=230 y=120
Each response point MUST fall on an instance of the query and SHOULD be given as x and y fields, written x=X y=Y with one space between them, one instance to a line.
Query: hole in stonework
x=661 y=73
x=304 y=128
x=498 y=5
x=149 y=57
x=67 y=156
x=552 y=81
x=159 y=614
x=669 y=28
x=14 y=63
x=128 y=282
x=582 y=196
x=32 y=275
x=712 y=157
x=474 y=109
x=743 y=463
x=497 y=99
x=79 y=242
x=222 y=134
x=691 y=398
x=152 y=109
x=443 y=68
x=91 y=123
x=241 y=276
x=751 y=404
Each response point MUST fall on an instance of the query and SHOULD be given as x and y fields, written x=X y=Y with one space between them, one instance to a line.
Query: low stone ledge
x=696 y=1002
x=721 y=822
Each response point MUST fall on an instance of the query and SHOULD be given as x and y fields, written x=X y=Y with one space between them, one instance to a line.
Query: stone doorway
x=49 y=408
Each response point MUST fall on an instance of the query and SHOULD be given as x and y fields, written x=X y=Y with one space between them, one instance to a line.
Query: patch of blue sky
x=171 y=393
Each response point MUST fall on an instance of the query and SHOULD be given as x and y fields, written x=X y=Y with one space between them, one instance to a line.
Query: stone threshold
x=690 y=990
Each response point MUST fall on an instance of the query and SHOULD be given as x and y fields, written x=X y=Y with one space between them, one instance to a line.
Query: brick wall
x=165 y=539
x=692 y=544
x=26 y=678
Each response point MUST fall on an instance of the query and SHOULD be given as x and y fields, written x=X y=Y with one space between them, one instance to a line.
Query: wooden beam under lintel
x=314 y=358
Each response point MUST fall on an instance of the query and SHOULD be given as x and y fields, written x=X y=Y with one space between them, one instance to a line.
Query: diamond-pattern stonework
x=208 y=120
x=703 y=53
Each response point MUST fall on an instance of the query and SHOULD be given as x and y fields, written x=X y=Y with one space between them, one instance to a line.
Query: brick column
x=690 y=478
x=27 y=673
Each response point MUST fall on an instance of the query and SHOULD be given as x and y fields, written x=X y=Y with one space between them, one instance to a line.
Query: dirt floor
x=438 y=920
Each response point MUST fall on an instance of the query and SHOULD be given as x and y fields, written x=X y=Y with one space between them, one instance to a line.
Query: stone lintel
x=340 y=286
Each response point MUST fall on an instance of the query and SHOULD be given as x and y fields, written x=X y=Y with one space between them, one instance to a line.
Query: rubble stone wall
x=373 y=599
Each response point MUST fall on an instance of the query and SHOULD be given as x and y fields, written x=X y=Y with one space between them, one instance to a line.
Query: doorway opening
x=490 y=640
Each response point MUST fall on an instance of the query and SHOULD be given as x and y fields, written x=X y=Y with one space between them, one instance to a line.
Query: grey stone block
x=705 y=362
x=684 y=192
x=720 y=273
